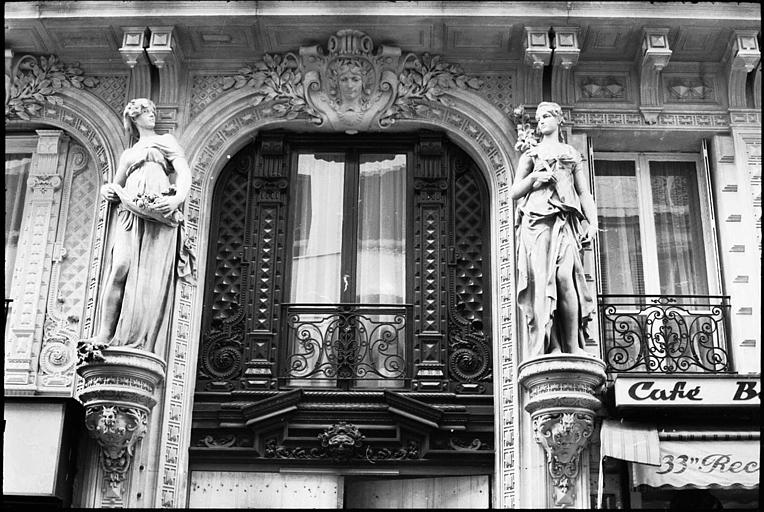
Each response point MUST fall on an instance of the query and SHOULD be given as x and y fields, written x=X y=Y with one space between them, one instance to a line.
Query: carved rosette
x=118 y=393
x=563 y=400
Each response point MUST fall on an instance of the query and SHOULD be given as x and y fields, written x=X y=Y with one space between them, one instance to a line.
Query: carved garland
x=33 y=82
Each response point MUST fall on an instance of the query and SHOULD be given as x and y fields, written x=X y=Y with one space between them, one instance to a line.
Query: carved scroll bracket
x=563 y=400
x=118 y=393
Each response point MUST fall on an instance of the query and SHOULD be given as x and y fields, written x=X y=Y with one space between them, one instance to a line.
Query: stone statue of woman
x=553 y=203
x=149 y=250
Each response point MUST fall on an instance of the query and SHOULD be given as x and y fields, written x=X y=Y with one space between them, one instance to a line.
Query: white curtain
x=16 y=172
x=381 y=276
x=318 y=214
x=678 y=220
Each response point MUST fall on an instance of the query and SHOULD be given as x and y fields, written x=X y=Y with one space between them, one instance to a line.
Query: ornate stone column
x=32 y=273
x=563 y=402
x=119 y=389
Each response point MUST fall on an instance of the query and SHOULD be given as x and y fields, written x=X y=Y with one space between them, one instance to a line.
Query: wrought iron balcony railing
x=665 y=334
x=348 y=346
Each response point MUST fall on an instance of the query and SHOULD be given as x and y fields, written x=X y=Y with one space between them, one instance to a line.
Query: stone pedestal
x=563 y=402
x=118 y=393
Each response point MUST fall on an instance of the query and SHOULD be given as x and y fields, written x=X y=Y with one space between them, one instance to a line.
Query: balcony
x=347 y=346
x=665 y=334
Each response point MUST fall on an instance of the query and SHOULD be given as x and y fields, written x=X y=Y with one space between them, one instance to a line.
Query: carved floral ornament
x=351 y=86
x=33 y=82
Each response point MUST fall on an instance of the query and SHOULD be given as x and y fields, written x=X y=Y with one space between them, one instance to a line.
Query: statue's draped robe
x=549 y=229
x=157 y=246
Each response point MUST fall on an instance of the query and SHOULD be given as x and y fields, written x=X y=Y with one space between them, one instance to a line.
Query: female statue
x=553 y=200
x=150 y=185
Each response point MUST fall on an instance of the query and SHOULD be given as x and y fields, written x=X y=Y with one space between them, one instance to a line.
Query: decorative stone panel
x=204 y=90
x=684 y=88
x=113 y=90
x=69 y=275
x=499 y=90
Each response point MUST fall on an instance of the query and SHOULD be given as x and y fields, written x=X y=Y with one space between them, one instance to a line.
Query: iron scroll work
x=351 y=87
x=665 y=334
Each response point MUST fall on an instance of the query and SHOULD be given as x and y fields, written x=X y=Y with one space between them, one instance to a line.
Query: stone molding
x=118 y=394
x=563 y=400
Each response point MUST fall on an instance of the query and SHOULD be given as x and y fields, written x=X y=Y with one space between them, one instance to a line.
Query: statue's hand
x=589 y=234
x=167 y=204
x=109 y=193
x=542 y=176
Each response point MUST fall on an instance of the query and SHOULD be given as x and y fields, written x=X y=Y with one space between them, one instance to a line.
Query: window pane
x=678 y=228
x=16 y=172
x=618 y=212
x=381 y=266
x=317 y=212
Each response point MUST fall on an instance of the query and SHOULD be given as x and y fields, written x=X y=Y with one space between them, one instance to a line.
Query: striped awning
x=633 y=442
x=702 y=465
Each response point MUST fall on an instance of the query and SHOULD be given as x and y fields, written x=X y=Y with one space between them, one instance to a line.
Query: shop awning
x=633 y=442
x=703 y=464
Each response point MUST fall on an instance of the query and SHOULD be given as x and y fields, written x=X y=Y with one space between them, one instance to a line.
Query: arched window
x=348 y=262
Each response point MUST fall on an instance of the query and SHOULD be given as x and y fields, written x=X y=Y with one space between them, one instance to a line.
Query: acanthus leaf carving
x=352 y=87
x=34 y=82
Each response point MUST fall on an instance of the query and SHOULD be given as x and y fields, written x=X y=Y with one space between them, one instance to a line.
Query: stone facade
x=643 y=80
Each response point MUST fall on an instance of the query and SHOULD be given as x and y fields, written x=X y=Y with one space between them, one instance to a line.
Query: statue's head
x=133 y=109
x=552 y=108
x=349 y=80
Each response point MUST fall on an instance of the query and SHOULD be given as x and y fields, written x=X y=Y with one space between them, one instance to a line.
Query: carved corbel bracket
x=133 y=45
x=116 y=430
x=743 y=55
x=538 y=51
x=655 y=55
x=566 y=48
x=566 y=53
x=537 y=54
x=166 y=55
x=563 y=400
x=133 y=52
x=564 y=435
x=118 y=393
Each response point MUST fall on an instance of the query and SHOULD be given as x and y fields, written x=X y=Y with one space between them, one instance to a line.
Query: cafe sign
x=721 y=390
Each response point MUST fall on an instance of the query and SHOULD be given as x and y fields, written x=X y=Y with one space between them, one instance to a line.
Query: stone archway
x=232 y=121
x=89 y=121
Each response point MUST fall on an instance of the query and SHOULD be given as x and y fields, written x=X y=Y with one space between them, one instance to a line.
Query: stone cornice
x=545 y=10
